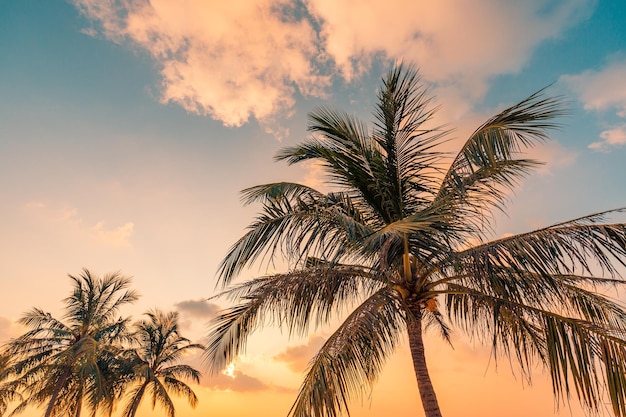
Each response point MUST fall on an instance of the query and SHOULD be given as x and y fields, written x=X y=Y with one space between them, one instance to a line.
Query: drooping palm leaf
x=295 y=300
x=350 y=360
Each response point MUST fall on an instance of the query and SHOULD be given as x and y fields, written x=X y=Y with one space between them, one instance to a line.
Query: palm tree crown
x=157 y=367
x=396 y=237
x=61 y=363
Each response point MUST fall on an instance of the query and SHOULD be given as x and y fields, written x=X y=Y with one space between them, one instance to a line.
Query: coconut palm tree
x=61 y=364
x=404 y=238
x=157 y=367
x=9 y=389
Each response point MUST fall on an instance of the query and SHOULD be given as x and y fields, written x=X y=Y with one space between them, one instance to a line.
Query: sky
x=128 y=128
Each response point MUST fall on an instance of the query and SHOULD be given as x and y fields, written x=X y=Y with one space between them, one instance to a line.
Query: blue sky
x=128 y=128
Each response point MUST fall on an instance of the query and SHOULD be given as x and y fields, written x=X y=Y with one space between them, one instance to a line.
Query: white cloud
x=610 y=138
x=601 y=91
x=235 y=60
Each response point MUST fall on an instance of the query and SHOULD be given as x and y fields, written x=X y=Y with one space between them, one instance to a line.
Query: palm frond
x=560 y=249
x=160 y=396
x=582 y=354
x=351 y=357
x=277 y=191
x=296 y=300
x=296 y=229
x=488 y=164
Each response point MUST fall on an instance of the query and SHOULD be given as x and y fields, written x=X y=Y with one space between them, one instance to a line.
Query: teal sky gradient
x=97 y=171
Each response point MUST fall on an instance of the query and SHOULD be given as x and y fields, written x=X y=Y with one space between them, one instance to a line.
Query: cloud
x=239 y=382
x=554 y=155
x=69 y=218
x=118 y=236
x=452 y=42
x=200 y=308
x=297 y=357
x=603 y=91
x=610 y=138
x=235 y=60
x=229 y=60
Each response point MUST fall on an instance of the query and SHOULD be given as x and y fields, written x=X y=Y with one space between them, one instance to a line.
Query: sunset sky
x=128 y=128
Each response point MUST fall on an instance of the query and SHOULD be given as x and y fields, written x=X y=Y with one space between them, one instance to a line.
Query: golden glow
x=230 y=370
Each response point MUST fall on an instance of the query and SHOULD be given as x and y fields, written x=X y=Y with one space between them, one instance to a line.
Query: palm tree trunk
x=424 y=384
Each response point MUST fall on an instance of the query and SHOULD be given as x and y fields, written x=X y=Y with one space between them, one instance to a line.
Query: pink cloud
x=228 y=60
x=297 y=357
x=200 y=308
x=68 y=220
x=239 y=382
x=610 y=138
x=237 y=60
x=458 y=43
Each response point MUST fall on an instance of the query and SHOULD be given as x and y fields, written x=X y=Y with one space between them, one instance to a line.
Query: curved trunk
x=425 y=386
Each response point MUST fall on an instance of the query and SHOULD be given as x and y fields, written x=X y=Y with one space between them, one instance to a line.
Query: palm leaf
x=294 y=299
x=352 y=356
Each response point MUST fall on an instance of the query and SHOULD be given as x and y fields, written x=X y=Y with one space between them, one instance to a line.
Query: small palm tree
x=160 y=347
x=63 y=363
x=9 y=389
x=397 y=236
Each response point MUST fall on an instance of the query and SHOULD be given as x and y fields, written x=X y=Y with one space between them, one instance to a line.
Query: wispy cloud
x=68 y=218
x=249 y=58
x=118 y=236
x=604 y=91
x=611 y=138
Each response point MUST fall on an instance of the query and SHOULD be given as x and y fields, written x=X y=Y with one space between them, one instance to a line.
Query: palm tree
x=396 y=240
x=157 y=368
x=9 y=389
x=63 y=363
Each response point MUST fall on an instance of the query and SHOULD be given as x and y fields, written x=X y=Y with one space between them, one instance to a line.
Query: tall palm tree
x=62 y=364
x=158 y=370
x=397 y=237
